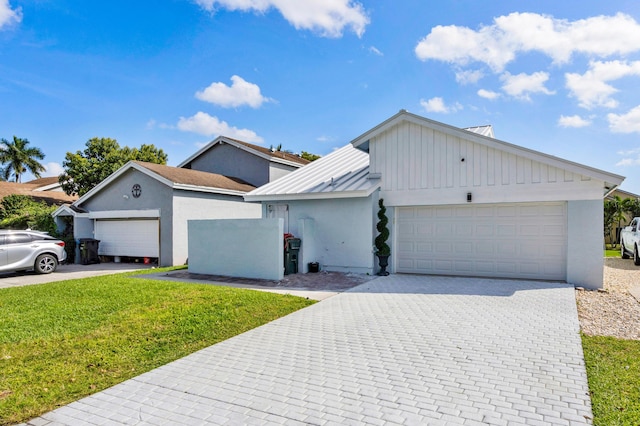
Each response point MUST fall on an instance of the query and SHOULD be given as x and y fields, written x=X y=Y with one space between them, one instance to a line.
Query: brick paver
x=396 y=350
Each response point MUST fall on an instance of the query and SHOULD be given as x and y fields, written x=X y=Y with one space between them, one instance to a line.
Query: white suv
x=26 y=250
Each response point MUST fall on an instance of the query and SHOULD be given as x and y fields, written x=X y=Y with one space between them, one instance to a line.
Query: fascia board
x=66 y=209
x=195 y=188
x=312 y=196
x=123 y=214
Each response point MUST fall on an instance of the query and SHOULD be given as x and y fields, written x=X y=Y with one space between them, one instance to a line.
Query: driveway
x=66 y=272
x=396 y=350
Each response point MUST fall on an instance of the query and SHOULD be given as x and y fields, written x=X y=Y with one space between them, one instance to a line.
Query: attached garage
x=519 y=240
x=133 y=238
x=458 y=202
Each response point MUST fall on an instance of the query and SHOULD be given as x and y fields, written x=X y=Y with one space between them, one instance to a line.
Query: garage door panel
x=520 y=240
x=134 y=238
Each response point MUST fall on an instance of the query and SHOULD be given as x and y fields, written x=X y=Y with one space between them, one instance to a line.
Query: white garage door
x=134 y=238
x=492 y=240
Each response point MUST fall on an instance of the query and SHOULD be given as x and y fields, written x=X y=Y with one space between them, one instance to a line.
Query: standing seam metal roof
x=344 y=170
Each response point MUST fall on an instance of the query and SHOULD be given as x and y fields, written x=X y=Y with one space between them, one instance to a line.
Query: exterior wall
x=190 y=206
x=227 y=160
x=155 y=195
x=584 y=252
x=276 y=171
x=423 y=166
x=341 y=235
x=250 y=248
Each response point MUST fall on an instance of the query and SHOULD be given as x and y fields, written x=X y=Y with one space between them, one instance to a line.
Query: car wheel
x=636 y=256
x=623 y=252
x=45 y=264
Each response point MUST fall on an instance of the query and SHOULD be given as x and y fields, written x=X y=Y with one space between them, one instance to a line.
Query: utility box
x=291 y=253
x=89 y=250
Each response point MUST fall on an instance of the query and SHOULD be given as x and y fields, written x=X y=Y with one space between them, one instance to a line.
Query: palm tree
x=17 y=157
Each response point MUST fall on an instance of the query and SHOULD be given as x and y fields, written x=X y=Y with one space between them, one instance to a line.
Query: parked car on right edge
x=630 y=241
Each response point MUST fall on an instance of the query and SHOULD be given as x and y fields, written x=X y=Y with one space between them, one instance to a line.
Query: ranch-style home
x=459 y=202
x=142 y=209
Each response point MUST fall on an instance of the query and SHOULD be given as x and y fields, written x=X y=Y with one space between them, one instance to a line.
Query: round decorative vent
x=136 y=191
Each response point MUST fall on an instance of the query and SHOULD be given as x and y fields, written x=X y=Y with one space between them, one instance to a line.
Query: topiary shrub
x=382 y=248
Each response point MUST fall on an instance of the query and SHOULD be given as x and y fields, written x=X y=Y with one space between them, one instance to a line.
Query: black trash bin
x=89 y=250
x=291 y=252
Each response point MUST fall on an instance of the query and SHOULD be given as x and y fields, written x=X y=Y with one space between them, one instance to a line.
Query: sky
x=560 y=77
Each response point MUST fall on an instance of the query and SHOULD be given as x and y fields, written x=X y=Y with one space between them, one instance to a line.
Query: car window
x=18 y=238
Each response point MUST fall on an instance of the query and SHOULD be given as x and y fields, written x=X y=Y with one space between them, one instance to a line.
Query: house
x=141 y=210
x=459 y=202
x=251 y=163
x=47 y=190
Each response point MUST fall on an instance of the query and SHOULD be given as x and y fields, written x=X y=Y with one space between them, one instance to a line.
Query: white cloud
x=52 y=169
x=488 y=94
x=437 y=105
x=240 y=93
x=498 y=44
x=375 y=51
x=469 y=76
x=625 y=123
x=204 y=124
x=573 y=121
x=9 y=16
x=630 y=152
x=629 y=162
x=329 y=18
x=591 y=88
x=521 y=85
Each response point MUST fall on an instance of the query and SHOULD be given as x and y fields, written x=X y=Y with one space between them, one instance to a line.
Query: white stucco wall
x=249 y=248
x=189 y=206
x=584 y=252
x=340 y=238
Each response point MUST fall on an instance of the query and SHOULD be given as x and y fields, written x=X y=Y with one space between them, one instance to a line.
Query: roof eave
x=312 y=195
x=208 y=189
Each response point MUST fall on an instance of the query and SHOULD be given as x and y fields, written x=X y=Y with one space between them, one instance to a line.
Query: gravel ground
x=612 y=312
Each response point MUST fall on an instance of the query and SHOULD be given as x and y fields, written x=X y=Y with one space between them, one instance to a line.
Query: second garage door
x=492 y=240
x=133 y=238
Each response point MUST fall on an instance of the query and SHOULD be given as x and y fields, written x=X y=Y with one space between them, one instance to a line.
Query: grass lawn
x=612 y=253
x=613 y=369
x=65 y=340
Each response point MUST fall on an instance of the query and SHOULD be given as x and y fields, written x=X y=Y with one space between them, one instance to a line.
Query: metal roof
x=481 y=130
x=343 y=173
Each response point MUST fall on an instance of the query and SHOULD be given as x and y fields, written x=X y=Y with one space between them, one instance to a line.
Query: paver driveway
x=396 y=350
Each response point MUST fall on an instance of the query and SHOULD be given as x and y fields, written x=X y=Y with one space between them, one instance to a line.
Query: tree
x=101 y=157
x=309 y=156
x=17 y=158
x=22 y=212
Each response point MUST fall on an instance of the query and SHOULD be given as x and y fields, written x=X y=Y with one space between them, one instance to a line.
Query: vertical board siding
x=418 y=157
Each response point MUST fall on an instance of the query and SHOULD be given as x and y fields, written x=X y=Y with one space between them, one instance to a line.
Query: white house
x=459 y=202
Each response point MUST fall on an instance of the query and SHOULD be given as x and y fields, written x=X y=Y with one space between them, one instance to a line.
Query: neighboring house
x=43 y=189
x=614 y=236
x=251 y=163
x=459 y=202
x=141 y=210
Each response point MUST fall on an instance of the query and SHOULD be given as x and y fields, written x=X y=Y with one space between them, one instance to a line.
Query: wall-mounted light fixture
x=468 y=197
x=125 y=196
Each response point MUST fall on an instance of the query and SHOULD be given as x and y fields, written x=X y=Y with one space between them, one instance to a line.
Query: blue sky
x=561 y=77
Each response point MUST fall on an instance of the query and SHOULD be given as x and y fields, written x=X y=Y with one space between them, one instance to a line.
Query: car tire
x=45 y=264
x=623 y=252
x=636 y=256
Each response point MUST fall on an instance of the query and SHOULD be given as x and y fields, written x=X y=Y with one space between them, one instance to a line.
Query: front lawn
x=65 y=340
x=613 y=370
